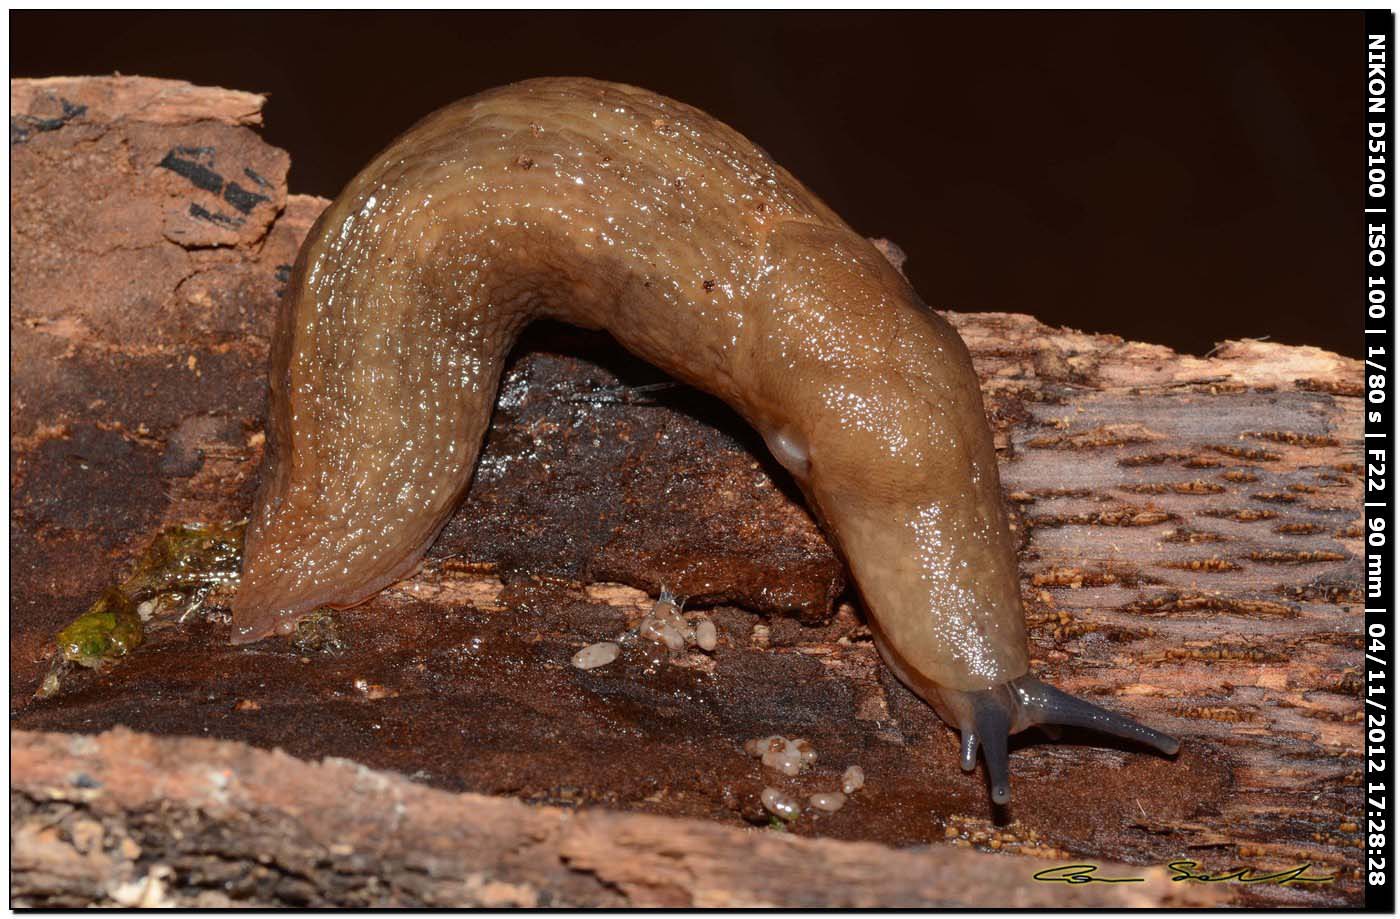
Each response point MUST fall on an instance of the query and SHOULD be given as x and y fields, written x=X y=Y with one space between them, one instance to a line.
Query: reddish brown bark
x=1191 y=553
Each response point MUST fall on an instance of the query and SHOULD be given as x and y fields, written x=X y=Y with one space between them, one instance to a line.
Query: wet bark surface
x=1191 y=537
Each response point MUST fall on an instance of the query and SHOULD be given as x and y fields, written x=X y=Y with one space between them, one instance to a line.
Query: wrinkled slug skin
x=610 y=207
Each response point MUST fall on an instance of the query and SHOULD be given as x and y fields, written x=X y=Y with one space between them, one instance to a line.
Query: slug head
x=987 y=717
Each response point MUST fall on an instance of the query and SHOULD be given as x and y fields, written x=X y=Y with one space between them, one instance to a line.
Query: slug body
x=613 y=208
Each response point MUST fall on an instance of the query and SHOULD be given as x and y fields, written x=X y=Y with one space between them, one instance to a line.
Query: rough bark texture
x=130 y=819
x=1191 y=553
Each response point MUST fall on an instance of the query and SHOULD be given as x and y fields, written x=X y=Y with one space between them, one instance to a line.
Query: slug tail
x=252 y=623
x=274 y=595
x=1043 y=704
x=268 y=601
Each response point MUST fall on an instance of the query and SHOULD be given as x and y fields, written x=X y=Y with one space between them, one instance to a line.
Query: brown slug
x=613 y=208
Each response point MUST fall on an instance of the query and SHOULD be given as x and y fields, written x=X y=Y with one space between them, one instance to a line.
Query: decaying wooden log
x=1191 y=552
x=130 y=819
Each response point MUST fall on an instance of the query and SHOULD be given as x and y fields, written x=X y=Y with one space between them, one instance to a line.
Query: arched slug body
x=613 y=208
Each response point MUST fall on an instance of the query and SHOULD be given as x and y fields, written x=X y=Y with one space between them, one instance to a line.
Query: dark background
x=1174 y=177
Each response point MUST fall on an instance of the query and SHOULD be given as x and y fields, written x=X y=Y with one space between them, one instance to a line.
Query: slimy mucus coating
x=615 y=208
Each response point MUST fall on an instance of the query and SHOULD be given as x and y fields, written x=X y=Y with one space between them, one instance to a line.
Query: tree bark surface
x=1191 y=553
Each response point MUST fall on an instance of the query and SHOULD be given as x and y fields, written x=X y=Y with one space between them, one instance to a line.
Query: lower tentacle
x=993 y=725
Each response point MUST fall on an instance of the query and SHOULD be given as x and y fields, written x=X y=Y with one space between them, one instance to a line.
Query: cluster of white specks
x=663 y=629
x=596 y=655
x=780 y=804
x=665 y=625
x=790 y=757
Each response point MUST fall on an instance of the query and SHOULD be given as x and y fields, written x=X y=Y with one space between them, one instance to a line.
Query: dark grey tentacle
x=1042 y=703
x=969 y=750
x=986 y=717
x=993 y=720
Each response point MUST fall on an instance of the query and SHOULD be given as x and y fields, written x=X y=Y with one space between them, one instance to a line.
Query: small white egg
x=779 y=804
x=596 y=655
x=853 y=779
x=783 y=762
x=672 y=638
x=706 y=635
